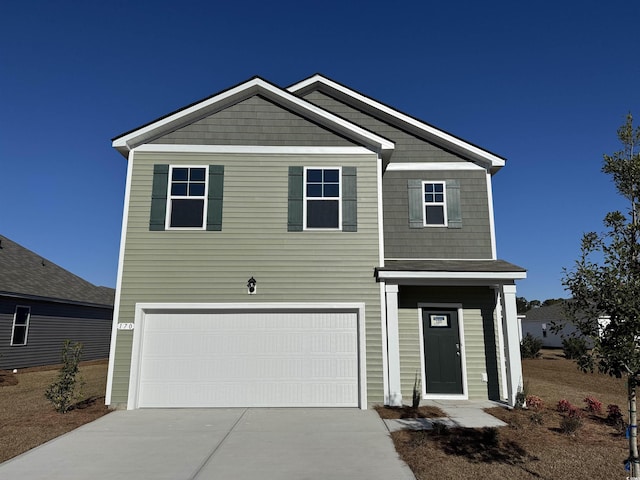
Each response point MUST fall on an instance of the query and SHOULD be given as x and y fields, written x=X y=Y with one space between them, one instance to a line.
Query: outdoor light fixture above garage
x=251 y=286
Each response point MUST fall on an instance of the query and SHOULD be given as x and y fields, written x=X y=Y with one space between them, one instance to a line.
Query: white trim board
x=433 y=166
x=249 y=149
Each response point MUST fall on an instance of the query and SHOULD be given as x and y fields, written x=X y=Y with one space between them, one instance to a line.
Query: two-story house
x=308 y=246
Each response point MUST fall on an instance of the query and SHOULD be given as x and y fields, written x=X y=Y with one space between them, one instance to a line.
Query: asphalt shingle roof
x=25 y=273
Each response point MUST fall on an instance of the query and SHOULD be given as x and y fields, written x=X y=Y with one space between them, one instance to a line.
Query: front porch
x=451 y=330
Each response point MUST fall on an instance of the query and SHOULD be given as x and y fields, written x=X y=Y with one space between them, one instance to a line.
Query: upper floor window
x=322 y=198
x=187 y=197
x=435 y=203
x=20 y=325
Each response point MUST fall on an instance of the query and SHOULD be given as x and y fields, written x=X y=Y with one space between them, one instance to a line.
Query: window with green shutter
x=322 y=198
x=187 y=197
x=434 y=203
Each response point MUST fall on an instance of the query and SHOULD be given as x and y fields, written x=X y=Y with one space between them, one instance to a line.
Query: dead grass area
x=533 y=445
x=27 y=419
x=394 y=413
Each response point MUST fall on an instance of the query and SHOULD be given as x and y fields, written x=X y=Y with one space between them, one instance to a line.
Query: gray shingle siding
x=408 y=148
x=473 y=240
x=255 y=121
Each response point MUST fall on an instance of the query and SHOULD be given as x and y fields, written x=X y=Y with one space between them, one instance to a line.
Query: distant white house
x=538 y=323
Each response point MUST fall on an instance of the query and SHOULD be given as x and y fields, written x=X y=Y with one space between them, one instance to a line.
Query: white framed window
x=434 y=204
x=187 y=205
x=322 y=198
x=20 y=325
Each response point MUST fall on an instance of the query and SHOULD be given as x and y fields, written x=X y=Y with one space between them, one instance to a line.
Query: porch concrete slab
x=460 y=413
x=203 y=444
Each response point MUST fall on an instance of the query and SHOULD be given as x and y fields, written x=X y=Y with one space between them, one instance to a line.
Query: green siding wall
x=480 y=338
x=206 y=266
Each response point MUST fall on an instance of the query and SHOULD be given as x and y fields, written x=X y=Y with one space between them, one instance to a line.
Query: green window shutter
x=214 y=202
x=159 y=197
x=416 y=204
x=294 y=221
x=454 y=213
x=349 y=199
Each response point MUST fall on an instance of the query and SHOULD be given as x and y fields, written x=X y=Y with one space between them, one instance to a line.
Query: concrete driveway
x=234 y=443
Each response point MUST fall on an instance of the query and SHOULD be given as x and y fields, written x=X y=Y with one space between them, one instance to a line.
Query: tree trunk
x=633 y=430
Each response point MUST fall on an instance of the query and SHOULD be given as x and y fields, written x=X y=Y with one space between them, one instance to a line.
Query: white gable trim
x=456 y=144
x=128 y=141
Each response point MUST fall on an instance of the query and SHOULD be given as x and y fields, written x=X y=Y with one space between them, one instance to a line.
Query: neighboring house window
x=435 y=204
x=187 y=197
x=20 y=325
x=322 y=198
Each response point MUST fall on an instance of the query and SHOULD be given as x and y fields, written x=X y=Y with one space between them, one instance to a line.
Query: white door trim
x=142 y=309
x=463 y=356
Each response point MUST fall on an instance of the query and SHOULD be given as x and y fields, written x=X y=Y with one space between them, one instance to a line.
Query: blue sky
x=544 y=84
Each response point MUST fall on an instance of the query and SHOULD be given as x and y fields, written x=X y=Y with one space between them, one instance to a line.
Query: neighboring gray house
x=42 y=305
x=308 y=246
x=538 y=322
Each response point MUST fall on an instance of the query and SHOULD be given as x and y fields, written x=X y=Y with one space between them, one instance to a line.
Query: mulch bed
x=394 y=413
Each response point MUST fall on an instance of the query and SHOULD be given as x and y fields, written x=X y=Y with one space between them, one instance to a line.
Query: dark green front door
x=442 y=355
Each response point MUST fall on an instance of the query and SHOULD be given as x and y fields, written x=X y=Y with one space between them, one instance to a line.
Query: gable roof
x=26 y=274
x=417 y=127
x=254 y=86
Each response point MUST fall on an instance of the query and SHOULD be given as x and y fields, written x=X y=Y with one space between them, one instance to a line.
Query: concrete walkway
x=460 y=413
x=204 y=444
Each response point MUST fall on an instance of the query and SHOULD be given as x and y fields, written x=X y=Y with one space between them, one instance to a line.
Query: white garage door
x=249 y=360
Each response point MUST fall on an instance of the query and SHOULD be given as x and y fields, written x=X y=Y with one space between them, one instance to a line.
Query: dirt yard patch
x=27 y=419
x=533 y=445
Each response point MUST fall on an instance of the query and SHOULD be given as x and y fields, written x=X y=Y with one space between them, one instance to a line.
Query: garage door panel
x=249 y=359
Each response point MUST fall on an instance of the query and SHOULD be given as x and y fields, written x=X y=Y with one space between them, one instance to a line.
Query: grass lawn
x=532 y=446
x=27 y=419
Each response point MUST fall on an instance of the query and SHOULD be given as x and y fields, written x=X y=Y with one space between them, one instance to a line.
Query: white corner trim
x=251 y=150
x=433 y=166
x=142 y=309
x=492 y=221
x=116 y=306
x=494 y=160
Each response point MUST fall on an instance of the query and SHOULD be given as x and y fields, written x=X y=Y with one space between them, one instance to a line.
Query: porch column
x=393 y=346
x=512 y=340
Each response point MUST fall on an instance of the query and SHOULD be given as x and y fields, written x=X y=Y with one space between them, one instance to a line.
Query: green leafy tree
x=605 y=283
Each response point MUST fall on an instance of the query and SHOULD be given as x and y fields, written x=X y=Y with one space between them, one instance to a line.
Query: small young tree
x=65 y=391
x=605 y=283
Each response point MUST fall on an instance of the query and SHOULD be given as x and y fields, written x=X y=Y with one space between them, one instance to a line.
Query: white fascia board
x=432 y=166
x=250 y=149
x=493 y=160
x=228 y=97
x=399 y=275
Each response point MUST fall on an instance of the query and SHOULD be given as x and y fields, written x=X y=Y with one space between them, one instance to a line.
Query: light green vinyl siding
x=214 y=266
x=478 y=304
